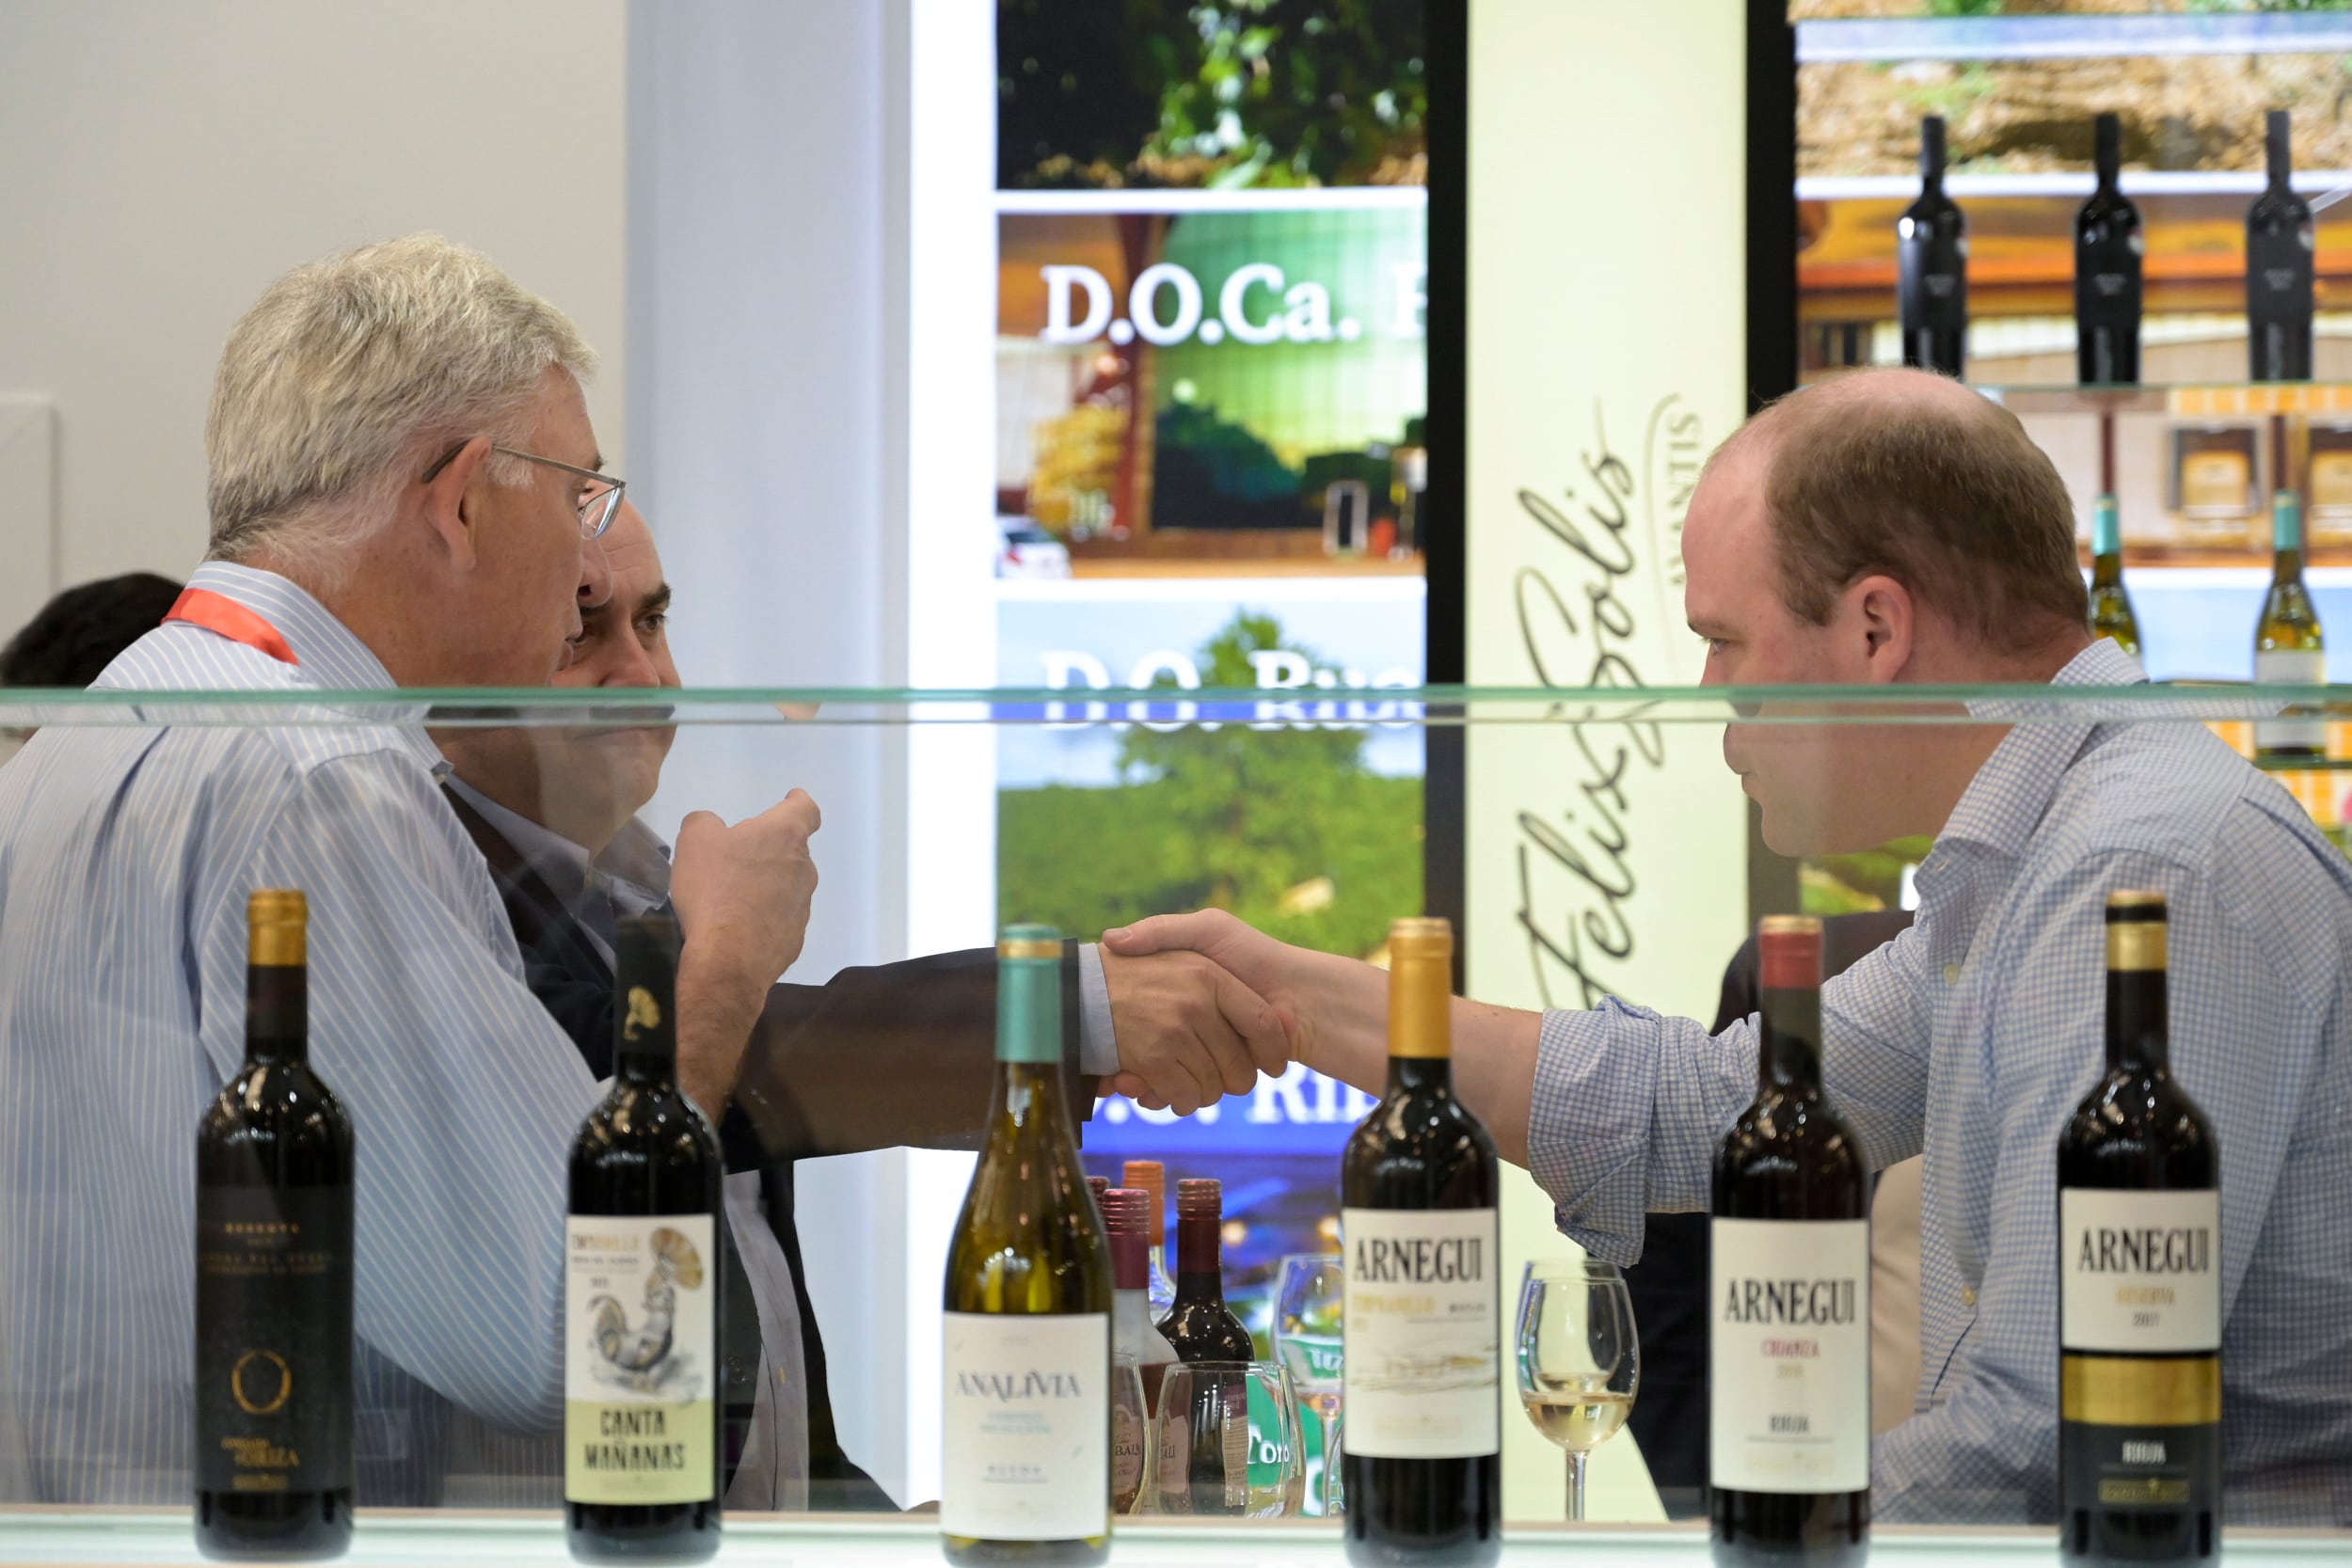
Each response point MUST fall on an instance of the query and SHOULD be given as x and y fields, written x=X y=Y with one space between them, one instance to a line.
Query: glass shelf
x=2187 y=401
x=159 y=1538
x=2070 y=37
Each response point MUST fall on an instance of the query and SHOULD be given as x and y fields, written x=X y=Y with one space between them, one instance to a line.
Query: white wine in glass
x=1579 y=1359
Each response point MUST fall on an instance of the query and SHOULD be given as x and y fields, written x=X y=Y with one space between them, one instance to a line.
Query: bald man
x=1894 y=528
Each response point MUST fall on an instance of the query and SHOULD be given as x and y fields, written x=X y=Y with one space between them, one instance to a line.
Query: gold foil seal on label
x=2136 y=930
x=276 y=920
x=2137 y=1391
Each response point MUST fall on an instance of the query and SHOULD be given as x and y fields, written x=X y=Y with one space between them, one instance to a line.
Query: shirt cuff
x=1098 y=1042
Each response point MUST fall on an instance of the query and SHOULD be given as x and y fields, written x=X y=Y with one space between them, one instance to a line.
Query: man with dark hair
x=1893 y=529
x=78 y=633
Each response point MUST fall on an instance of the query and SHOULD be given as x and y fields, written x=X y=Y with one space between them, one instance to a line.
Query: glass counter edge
x=490 y=706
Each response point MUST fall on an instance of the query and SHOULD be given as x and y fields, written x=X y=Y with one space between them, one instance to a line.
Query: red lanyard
x=225 y=617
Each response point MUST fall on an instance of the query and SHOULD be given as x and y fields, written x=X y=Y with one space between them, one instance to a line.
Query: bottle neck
x=1931 y=157
x=1409 y=1073
x=2139 y=1040
x=2278 y=158
x=2107 y=155
x=646 y=1065
x=277 y=1012
x=2287 y=537
x=1199 y=1277
x=1131 y=1267
x=2106 y=530
x=1789 y=1044
x=1028 y=1012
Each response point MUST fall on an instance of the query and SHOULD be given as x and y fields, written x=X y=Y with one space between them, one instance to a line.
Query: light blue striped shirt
x=126 y=859
x=1972 y=1038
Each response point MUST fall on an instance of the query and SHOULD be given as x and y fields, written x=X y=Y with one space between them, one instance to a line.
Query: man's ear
x=1887 y=618
x=450 y=502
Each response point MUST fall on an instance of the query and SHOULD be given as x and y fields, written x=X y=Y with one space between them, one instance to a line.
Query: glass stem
x=1576 y=1484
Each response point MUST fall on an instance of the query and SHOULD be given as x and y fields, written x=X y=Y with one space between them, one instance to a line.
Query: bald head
x=1911 y=474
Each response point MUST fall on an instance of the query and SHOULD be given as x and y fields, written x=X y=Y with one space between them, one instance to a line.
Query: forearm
x=719 y=999
x=1340 y=1008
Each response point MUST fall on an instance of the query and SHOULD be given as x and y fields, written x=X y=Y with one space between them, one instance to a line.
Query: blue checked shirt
x=1974 y=1035
x=126 y=859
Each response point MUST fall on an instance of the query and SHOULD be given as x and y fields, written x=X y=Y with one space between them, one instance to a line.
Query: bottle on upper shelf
x=1788 y=1460
x=2140 y=1283
x=273 y=1399
x=1932 y=266
x=2108 y=244
x=2110 y=605
x=2288 y=648
x=1151 y=1177
x=1201 y=1326
x=2279 y=264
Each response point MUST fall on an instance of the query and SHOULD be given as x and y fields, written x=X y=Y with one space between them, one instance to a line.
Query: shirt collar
x=329 y=655
x=2004 y=803
x=554 y=859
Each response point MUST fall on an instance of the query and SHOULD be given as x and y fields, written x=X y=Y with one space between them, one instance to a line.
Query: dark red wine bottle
x=2140 y=1283
x=1932 y=266
x=2108 y=250
x=2279 y=258
x=1789 y=1346
x=273 y=1275
x=1201 y=1326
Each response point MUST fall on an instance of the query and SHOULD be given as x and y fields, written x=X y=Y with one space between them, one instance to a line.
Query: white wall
x=162 y=160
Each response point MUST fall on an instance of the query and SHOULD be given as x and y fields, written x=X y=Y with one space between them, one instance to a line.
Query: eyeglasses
x=598 y=501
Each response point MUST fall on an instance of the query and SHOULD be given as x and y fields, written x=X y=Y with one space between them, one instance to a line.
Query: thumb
x=1161 y=933
x=697 y=823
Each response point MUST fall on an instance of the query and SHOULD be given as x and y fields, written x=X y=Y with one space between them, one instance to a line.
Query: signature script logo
x=1612 y=565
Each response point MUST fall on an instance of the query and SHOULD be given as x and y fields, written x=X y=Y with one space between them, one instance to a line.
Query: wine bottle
x=2140 y=1283
x=1096 y=1187
x=1027 y=1438
x=641 y=1406
x=1201 y=1326
x=1932 y=266
x=1421 y=1295
x=2108 y=247
x=2279 y=262
x=1150 y=1176
x=2288 y=648
x=1133 y=1334
x=1788 y=1355
x=272 y=1274
x=2110 y=606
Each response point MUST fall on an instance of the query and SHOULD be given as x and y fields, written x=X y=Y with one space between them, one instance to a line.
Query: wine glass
x=1229 y=1444
x=1580 y=1358
x=1132 y=1436
x=1307 y=1341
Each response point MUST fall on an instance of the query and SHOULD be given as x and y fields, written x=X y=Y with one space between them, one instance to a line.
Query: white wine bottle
x=2110 y=605
x=1421 y=1295
x=643 y=1279
x=2288 y=647
x=1026 y=1433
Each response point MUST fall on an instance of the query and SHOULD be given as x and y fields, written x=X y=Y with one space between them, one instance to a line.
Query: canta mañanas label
x=1026 y=1434
x=1789 y=1355
x=1424 y=1340
x=2140 y=1272
x=641 y=1334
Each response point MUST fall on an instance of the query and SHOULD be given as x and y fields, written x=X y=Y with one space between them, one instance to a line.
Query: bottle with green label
x=2288 y=650
x=641 y=1407
x=2110 y=605
x=1025 y=1431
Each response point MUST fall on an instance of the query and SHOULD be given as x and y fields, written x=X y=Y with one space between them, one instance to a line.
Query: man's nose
x=634 y=667
x=596 y=574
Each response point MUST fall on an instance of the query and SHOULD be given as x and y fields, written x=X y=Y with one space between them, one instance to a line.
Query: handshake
x=1201 y=1004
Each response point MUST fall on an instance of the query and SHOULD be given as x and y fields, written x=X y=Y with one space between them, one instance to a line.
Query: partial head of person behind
x=73 y=637
x=1884 y=527
x=586 y=780
x=396 y=429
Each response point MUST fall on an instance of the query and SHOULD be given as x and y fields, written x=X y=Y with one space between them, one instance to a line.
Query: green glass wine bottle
x=2288 y=650
x=1026 y=1419
x=2110 y=605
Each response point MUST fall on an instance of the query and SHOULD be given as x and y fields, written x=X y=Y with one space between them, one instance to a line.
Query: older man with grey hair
x=405 y=491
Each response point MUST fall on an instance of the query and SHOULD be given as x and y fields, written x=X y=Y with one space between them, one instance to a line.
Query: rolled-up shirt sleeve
x=1628 y=1105
x=464 y=1096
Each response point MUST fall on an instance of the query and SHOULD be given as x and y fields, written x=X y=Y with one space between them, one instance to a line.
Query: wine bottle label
x=1026 y=1430
x=2139 y=1434
x=2139 y=1273
x=641 y=1366
x=1788 y=1359
x=1424 y=1340
x=1127 y=1447
x=273 y=1338
x=2291 y=667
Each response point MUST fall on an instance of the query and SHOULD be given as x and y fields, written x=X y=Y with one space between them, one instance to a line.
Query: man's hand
x=742 y=896
x=1187 y=1031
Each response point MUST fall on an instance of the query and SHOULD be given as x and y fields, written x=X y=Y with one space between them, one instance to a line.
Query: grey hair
x=349 y=371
